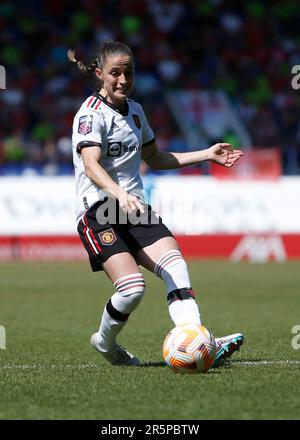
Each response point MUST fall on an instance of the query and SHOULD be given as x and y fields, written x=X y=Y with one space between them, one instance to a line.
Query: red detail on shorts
x=92 y=235
x=87 y=241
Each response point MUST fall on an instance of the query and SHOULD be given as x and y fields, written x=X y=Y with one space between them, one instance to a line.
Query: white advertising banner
x=187 y=204
x=37 y=206
x=206 y=205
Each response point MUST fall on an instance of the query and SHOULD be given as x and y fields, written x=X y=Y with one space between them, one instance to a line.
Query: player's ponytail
x=89 y=68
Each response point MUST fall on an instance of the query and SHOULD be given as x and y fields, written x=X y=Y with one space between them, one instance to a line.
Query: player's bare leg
x=129 y=284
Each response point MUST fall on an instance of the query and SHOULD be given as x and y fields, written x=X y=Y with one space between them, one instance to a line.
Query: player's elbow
x=154 y=162
x=89 y=169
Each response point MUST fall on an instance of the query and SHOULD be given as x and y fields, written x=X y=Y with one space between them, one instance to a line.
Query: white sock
x=172 y=268
x=130 y=291
x=185 y=311
x=108 y=331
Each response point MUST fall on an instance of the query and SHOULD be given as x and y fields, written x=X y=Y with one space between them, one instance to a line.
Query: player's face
x=118 y=78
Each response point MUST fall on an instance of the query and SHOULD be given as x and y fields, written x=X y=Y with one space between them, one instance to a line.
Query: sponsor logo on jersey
x=107 y=237
x=114 y=149
x=85 y=124
x=137 y=121
x=131 y=148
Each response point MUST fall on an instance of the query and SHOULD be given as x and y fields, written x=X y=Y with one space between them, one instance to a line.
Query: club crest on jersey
x=107 y=237
x=85 y=124
x=137 y=120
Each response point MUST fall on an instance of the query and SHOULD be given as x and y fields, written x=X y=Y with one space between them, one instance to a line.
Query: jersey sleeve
x=87 y=129
x=147 y=132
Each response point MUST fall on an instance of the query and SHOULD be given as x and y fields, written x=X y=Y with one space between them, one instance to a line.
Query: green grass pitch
x=49 y=371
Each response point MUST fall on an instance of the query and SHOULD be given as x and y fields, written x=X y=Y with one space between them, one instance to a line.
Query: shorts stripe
x=128 y=239
x=90 y=236
x=87 y=241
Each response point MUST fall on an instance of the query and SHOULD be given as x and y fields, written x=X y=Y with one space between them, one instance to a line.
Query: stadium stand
x=245 y=49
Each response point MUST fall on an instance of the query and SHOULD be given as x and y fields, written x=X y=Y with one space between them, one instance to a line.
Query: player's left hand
x=223 y=154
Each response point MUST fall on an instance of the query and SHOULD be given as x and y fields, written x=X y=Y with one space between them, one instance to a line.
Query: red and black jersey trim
x=85 y=144
x=148 y=143
x=123 y=112
x=94 y=102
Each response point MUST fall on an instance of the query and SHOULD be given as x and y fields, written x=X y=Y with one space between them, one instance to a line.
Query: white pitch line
x=97 y=366
x=45 y=366
x=262 y=362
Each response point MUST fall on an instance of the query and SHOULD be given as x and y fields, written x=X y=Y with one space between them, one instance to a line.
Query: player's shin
x=130 y=291
x=181 y=298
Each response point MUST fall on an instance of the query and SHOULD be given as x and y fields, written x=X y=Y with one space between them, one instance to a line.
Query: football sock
x=183 y=308
x=130 y=291
x=172 y=269
x=108 y=331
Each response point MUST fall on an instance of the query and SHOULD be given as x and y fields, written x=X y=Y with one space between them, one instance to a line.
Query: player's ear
x=98 y=73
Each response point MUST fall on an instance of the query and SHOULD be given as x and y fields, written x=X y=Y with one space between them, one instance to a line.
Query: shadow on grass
x=163 y=365
x=153 y=364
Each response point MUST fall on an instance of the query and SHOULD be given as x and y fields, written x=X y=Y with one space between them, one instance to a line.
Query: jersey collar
x=113 y=106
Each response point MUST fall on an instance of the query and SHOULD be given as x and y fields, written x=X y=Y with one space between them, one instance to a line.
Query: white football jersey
x=121 y=137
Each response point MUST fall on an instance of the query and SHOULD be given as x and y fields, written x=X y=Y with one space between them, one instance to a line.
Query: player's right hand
x=129 y=203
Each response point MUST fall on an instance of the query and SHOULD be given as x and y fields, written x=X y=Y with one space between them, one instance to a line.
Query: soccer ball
x=189 y=348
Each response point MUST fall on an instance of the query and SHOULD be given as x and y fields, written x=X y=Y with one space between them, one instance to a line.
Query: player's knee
x=130 y=291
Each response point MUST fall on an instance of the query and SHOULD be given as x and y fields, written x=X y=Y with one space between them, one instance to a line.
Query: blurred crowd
x=246 y=49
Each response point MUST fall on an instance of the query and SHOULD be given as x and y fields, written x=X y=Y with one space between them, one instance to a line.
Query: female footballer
x=118 y=229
